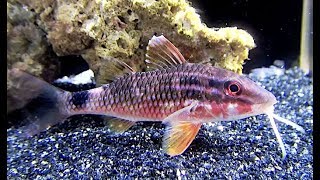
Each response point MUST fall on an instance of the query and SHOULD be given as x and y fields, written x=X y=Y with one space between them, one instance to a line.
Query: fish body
x=179 y=94
x=154 y=95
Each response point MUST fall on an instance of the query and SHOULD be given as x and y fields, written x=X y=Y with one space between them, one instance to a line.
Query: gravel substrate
x=83 y=147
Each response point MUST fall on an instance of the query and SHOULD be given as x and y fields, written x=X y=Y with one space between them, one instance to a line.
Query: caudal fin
x=43 y=103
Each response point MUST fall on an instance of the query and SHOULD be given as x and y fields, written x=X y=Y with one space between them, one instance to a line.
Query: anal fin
x=119 y=125
x=178 y=136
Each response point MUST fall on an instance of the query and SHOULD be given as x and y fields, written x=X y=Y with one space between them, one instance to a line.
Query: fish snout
x=268 y=99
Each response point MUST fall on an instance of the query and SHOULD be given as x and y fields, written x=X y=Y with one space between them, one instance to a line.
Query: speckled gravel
x=83 y=147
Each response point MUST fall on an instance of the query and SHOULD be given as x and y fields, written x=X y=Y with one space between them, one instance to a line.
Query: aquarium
x=161 y=89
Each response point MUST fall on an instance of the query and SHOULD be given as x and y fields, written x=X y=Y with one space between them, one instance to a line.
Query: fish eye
x=232 y=88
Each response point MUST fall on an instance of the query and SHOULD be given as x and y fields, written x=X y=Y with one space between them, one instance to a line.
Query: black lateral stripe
x=79 y=98
x=193 y=93
x=193 y=80
x=183 y=81
x=215 y=83
x=189 y=80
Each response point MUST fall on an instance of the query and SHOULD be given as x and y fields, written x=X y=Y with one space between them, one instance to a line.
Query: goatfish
x=180 y=94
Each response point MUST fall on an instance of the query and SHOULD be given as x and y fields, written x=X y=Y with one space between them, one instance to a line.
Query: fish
x=175 y=92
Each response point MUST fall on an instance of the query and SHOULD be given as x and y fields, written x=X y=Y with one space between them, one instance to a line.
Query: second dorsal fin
x=161 y=53
x=116 y=69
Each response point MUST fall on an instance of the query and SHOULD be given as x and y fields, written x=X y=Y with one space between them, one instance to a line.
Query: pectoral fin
x=178 y=136
x=184 y=114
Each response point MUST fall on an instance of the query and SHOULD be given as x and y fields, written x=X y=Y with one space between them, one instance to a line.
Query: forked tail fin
x=44 y=103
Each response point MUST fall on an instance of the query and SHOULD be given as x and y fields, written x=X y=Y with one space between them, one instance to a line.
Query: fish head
x=234 y=96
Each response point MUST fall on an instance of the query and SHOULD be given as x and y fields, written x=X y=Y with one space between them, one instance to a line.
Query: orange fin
x=161 y=53
x=178 y=137
x=119 y=125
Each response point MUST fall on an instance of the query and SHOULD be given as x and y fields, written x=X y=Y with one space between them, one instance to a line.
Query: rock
x=105 y=29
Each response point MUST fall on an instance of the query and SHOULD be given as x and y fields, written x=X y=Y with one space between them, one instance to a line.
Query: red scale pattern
x=150 y=95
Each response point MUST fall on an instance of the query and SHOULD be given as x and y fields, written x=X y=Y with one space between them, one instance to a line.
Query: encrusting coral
x=101 y=30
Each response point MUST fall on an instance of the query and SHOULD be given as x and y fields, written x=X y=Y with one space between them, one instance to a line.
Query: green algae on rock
x=101 y=30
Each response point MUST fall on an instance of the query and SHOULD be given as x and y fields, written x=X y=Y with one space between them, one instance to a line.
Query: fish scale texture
x=245 y=149
x=146 y=96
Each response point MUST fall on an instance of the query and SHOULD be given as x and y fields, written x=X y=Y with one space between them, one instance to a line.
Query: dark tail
x=43 y=104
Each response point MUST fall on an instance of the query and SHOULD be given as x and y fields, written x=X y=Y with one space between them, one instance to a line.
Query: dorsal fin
x=116 y=69
x=161 y=53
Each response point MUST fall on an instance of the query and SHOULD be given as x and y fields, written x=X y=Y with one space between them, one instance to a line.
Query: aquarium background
x=274 y=25
x=83 y=147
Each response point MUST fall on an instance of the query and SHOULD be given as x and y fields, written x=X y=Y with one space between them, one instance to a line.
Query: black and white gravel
x=83 y=148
